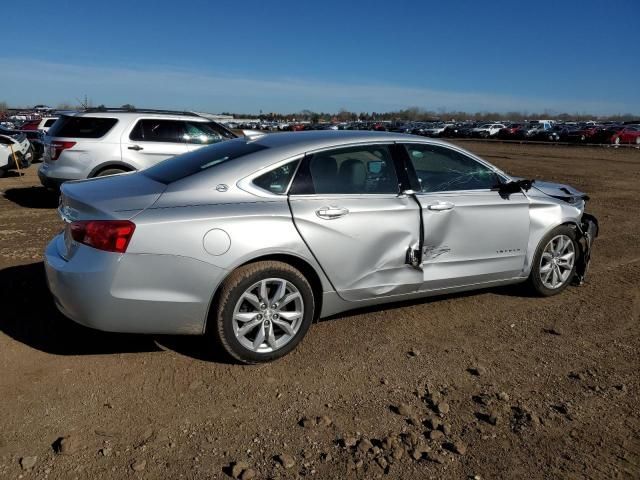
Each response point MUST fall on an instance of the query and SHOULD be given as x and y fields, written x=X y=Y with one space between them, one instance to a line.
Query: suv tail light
x=57 y=147
x=107 y=235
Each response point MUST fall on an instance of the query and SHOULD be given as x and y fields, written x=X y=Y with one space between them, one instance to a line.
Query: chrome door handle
x=439 y=207
x=137 y=148
x=329 y=213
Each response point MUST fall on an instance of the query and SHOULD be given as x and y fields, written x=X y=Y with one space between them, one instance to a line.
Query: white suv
x=98 y=142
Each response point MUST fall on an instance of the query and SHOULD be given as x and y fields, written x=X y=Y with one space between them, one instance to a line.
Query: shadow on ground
x=31 y=317
x=521 y=290
x=32 y=197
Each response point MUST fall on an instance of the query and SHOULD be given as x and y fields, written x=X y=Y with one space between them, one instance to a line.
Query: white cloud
x=30 y=82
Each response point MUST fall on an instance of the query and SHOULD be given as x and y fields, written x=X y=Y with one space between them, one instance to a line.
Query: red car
x=618 y=135
x=30 y=125
x=622 y=135
x=583 y=134
x=513 y=131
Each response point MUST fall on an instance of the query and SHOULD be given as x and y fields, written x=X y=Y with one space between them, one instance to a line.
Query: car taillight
x=57 y=148
x=108 y=235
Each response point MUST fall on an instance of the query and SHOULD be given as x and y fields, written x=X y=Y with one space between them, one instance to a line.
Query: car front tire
x=554 y=264
x=263 y=312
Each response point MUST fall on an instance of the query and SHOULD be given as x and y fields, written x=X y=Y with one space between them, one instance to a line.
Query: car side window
x=441 y=169
x=201 y=133
x=354 y=170
x=151 y=130
x=277 y=180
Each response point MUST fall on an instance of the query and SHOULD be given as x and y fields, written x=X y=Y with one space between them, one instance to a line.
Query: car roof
x=318 y=139
x=112 y=114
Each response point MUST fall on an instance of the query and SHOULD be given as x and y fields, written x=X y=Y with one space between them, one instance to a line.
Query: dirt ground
x=492 y=384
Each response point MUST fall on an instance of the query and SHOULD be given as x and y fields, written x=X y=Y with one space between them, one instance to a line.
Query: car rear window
x=82 y=127
x=182 y=166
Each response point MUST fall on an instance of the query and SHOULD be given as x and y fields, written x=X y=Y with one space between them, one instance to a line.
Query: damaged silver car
x=251 y=240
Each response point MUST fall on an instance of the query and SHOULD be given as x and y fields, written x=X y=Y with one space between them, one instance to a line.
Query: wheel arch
x=107 y=165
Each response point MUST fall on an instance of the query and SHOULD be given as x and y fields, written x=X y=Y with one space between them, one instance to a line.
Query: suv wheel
x=554 y=264
x=264 y=311
x=109 y=171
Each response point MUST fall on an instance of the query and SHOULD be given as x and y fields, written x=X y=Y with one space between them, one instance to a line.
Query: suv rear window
x=82 y=127
x=182 y=166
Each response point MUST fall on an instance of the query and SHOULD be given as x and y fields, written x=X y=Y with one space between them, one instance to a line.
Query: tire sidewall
x=237 y=289
x=110 y=171
x=534 y=276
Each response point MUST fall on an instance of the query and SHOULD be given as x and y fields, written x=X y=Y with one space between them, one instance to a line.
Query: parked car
x=582 y=134
x=617 y=135
x=46 y=123
x=101 y=142
x=14 y=149
x=252 y=240
x=434 y=130
x=35 y=137
x=552 y=134
x=514 y=131
x=42 y=124
x=487 y=130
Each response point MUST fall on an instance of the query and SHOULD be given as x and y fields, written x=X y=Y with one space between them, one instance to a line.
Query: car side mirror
x=515 y=186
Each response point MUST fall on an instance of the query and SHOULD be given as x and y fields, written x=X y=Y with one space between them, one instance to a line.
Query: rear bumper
x=131 y=293
x=51 y=183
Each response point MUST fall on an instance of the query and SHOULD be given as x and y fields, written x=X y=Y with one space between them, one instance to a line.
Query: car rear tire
x=554 y=264
x=263 y=312
x=109 y=171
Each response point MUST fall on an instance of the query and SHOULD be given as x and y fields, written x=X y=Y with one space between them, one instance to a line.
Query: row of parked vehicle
x=22 y=141
x=535 y=130
x=97 y=142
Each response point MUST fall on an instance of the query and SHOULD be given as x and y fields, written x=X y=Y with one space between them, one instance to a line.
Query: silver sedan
x=251 y=240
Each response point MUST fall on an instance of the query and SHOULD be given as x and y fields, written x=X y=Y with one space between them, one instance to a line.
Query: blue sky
x=285 y=56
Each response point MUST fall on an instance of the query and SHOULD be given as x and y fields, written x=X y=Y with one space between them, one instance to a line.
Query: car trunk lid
x=116 y=197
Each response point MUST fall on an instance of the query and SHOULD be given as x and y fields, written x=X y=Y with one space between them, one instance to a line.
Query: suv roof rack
x=139 y=110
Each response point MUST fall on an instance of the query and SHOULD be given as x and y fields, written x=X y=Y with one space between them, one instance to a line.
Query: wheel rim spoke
x=244 y=316
x=264 y=292
x=257 y=342
x=289 y=298
x=271 y=337
x=280 y=292
x=290 y=316
x=284 y=326
x=252 y=299
x=247 y=327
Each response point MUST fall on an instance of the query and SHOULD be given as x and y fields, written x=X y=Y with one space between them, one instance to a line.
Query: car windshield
x=182 y=166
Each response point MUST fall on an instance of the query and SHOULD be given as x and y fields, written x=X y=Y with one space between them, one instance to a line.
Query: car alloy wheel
x=268 y=315
x=557 y=261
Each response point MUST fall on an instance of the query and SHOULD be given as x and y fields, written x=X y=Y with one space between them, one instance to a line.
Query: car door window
x=168 y=131
x=441 y=169
x=354 y=170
